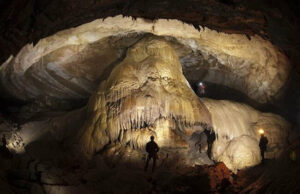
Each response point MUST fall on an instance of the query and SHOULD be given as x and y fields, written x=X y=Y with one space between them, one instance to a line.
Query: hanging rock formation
x=146 y=94
x=65 y=65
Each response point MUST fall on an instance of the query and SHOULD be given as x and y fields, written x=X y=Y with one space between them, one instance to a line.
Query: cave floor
x=24 y=174
x=45 y=166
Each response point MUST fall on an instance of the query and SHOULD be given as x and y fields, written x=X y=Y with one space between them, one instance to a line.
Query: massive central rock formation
x=146 y=94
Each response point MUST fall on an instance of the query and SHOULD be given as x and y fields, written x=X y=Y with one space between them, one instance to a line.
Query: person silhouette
x=263 y=146
x=211 y=137
x=152 y=149
x=202 y=88
x=4 y=142
x=4 y=151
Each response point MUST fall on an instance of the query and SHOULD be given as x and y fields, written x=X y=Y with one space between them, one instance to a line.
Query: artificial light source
x=261 y=131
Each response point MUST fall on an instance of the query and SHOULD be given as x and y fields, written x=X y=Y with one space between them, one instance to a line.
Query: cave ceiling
x=71 y=63
x=24 y=21
x=250 y=47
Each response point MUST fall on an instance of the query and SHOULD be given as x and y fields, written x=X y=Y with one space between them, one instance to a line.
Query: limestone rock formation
x=146 y=94
x=143 y=91
x=255 y=67
x=136 y=70
x=237 y=125
x=71 y=71
x=240 y=152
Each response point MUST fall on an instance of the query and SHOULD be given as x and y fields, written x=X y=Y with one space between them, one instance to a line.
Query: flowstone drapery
x=237 y=125
x=146 y=94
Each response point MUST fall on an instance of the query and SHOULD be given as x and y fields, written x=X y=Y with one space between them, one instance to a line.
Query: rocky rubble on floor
x=23 y=174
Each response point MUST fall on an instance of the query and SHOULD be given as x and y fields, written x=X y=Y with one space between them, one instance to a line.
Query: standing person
x=152 y=149
x=263 y=146
x=4 y=152
x=211 y=137
x=4 y=142
x=202 y=88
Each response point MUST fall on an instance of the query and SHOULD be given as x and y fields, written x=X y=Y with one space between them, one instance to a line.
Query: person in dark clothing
x=263 y=142
x=4 y=142
x=152 y=149
x=4 y=151
x=211 y=137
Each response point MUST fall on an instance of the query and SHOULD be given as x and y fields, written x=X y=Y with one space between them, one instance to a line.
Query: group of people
x=152 y=148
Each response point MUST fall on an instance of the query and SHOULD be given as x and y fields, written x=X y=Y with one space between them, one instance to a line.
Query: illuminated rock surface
x=146 y=94
x=236 y=126
x=229 y=45
x=143 y=91
x=71 y=63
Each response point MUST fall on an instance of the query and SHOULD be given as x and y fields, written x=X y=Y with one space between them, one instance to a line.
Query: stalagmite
x=146 y=94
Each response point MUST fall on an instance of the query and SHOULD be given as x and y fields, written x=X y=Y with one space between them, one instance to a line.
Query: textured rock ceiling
x=23 y=21
x=71 y=63
x=142 y=90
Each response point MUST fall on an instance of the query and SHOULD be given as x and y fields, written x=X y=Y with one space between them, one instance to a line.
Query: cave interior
x=84 y=85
